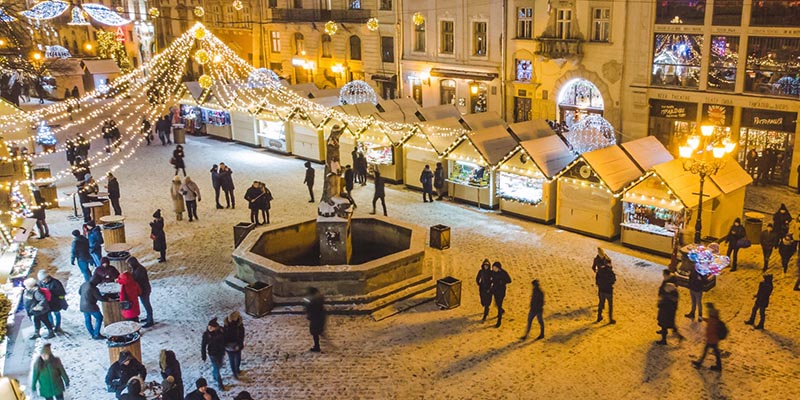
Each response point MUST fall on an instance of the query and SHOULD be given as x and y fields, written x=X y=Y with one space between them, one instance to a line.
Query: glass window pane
x=772 y=66
x=727 y=13
x=687 y=12
x=676 y=60
x=722 y=64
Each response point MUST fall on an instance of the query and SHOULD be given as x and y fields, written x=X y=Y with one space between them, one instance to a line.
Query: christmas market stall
x=200 y=108
x=405 y=105
x=65 y=78
x=532 y=129
x=429 y=144
x=476 y=122
x=98 y=74
x=435 y=113
x=647 y=152
x=526 y=184
x=732 y=181
x=589 y=189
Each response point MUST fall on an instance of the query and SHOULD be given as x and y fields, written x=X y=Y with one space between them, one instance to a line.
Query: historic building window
x=355 y=48
x=564 y=23
x=386 y=5
x=298 y=3
x=447 y=92
x=722 y=62
x=326 y=45
x=676 y=60
x=387 y=49
x=772 y=66
x=601 y=24
x=275 y=41
x=479 y=40
x=727 y=13
x=419 y=37
x=355 y=4
x=272 y=4
x=524 y=70
x=687 y=12
x=448 y=37
x=478 y=96
x=775 y=13
x=524 y=22
x=299 y=44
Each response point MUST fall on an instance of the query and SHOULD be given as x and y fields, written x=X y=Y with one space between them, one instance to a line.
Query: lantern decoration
x=200 y=33
x=153 y=12
x=120 y=9
x=104 y=15
x=373 y=24
x=205 y=81
x=78 y=18
x=201 y=56
x=418 y=18
x=237 y=5
x=357 y=92
x=331 y=28
x=199 y=11
x=592 y=132
x=262 y=77
x=46 y=10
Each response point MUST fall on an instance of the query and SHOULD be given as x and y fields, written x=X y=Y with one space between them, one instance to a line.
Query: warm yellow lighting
x=473 y=89
x=2 y=42
x=205 y=81
x=418 y=19
x=201 y=56
x=331 y=28
x=199 y=11
x=88 y=47
x=217 y=58
x=425 y=75
x=693 y=142
x=373 y=24
x=200 y=33
x=685 y=151
x=37 y=56
x=729 y=145
x=718 y=151
x=337 y=69
x=707 y=130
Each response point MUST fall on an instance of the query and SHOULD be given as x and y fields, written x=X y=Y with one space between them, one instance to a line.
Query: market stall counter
x=428 y=145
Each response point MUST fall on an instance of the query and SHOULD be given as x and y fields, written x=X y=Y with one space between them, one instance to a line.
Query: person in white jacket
x=191 y=195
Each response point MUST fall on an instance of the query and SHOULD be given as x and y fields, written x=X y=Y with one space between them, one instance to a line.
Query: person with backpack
x=715 y=331
x=95 y=236
x=762 y=302
x=57 y=300
x=37 y=306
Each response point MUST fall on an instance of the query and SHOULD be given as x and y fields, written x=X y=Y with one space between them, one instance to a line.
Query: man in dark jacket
x=667 y=306
x=215 y=184
x=95 y=236
x=139 y=273
x=537 y=309
x=380 y=193
x=57 y=301
x=604 y=278
x=438 y=180
x=735 y=234
x=769 y=239
x=697 y=284
x=316 y=314
x=349 y=180
x=500 y=279
x=80 y=253
x=90 y=295
x=202 y=391
x=120 y=372
x=113 y=193
x=309 y=180
x=762 y=302
x=213 y=345
x=226 y=182
x=426 y=179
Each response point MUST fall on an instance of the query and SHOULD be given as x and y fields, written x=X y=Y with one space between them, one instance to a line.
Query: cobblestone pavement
x=424 y=353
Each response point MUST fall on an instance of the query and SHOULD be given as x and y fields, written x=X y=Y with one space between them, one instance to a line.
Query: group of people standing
x=765 y=167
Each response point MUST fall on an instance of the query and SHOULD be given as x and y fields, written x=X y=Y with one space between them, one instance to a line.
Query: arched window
x=299 y=44
x=355 y=48
x=326 y=45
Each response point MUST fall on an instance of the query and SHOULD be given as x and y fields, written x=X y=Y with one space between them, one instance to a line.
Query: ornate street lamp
x=703 y=156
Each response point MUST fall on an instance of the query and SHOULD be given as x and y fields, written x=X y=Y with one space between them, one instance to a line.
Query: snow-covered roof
x=480 y=121
x=303 y=89
x=406 y=105
x=533 y=129
x=550 y=154
x=614 y=167
x=683 y=184
x=439 y=112
x=101 y=66
x=731 y=176
x=494 y=143
x=428 y=137
x=68 y=67
x=647 y=152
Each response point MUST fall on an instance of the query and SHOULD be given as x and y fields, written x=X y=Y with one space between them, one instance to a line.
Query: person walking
x=147 y=130
x=349 y=182
x=177 y=160
x=139 y=273
x=49 y=375
x=177 y=198
x=380 y=193
x=234 y=341
x=426 y=178
x=438 y=181
x=113 y=193
x=162 y=129
x=215 y=184
x=158 y=236
x=786 y=248
x=667 y=307
x=105 y=273
x=95 y=236
x=715 y=331
x=40 y=215
x=71 y=151
x=500 y=279
x=90 y=295
x=762 y=302
x=781 y=221
x=605 y=278
x=253 y=195
x=226 y=182
x=537 y=310
x=108 y=134
x=736 y=233
x=37 y=308
x=316 y=315
x=769 y=240
x=202 y=391
x=122 y=370
x=129 y=293
x=213 y=345
x=697 y=284
x=484 y=281
x=76 y=94
x=170 y=372
x=80 y=253
x=191 y=195
x=309 y=180
x=266 y=203
x=57 y=301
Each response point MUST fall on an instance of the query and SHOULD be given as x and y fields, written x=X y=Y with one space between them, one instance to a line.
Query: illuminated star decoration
x=373 y=24
x=199 y=11
x=46 y=10
x=331 y=28
x=237 y=5
x=4 y=17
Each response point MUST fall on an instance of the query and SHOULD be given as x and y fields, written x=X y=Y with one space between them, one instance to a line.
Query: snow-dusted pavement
x=423 y=353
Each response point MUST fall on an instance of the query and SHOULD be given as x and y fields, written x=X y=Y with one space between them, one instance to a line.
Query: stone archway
x=610 y=111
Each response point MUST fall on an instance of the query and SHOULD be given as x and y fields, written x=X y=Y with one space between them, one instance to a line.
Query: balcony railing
x=313 y=15
x=558 y=48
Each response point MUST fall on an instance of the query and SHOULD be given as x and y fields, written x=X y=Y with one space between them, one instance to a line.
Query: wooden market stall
x=526 y=184
x=428 y=145
x=483 y=120
x=435 y=113
x=529 y=130
x=589 y=189
x=405 y=105
x=308 y=129
x=647 y=152
x=273 y=126
x=204 y=109
x=732 y=180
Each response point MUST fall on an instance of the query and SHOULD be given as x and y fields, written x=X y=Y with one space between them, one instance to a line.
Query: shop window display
x=520 y=188
x=773 y=66
x=686 y=12
x=723 y=60
x=774 y=149
x=273 y=134
x=775 y=13
x=651 y=219
x=215 y=117
x=377 y=154
x=676 y=60
x=467 y=173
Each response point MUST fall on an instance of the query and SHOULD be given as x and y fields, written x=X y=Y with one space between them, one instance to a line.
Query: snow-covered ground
x=424 y=353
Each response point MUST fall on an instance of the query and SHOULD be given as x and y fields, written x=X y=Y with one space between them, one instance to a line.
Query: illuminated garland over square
x=46 y=10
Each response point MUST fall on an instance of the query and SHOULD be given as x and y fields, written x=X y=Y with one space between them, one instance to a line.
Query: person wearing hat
x=172 y=386
x=57 y=301
x=769 y=239
x=191 y=195
x=122 y=370
x=37 y=307
x=95 y=236
x=234 y=341
x=226 y=182
x=203 y=392
x=139 y=273
x=80 y=253
x=500 y=279
x=158 y=236
x=49 y=375
x=177 y=199
x=243 y=395
x=90 y=295
x=426 y=179
x=762 y=302
x=113 y=193
x=134 y=390
x=713 y=328
x=484 y=281
x=213 y=345
x=537 y=309
x=105 y=273
x=309 y=180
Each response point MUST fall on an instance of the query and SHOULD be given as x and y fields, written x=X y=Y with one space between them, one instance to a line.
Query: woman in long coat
x=177 y=160
x=177 y=198
x=129 y=292
x=667 y=306
x=49 y=375
x=266 y=202
x=158 y=235
x=171 y=371
x=484 y=281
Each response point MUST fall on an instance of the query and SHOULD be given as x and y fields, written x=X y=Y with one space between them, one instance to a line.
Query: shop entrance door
x=522 y=109
x=774 y=149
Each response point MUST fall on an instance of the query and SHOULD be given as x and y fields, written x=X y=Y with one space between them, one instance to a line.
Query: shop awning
x=435 y=113
x=460 y=74
x=484 y=120
x=647 y=152
x=613 y=166
x=683 y=184
x=529 y=130
x=100 y=66
x=731 y=176
x=550 y=154
x=494 y=144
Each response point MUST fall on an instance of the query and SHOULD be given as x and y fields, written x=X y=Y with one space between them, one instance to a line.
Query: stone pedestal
x=334 y=234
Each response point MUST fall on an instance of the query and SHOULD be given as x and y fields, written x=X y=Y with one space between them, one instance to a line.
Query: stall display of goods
x=707 y=260
x=24 y=262
x=215 y=117
x=519 y=188
x=469 y=174
x=650 y=219
x=377 y=153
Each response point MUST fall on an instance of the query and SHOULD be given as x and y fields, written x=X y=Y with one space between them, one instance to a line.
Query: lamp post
x=703 y=156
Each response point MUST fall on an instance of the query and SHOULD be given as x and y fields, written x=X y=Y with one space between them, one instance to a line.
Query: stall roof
x=360 y=110
x=467 y=151
x=398 y=116
x=494 y=144
x=550 y=154
x=68 y=67
x=304 y=89
x=406 y=105
x=439 y=143
x=100 y=66
x=614 y=167
x=332 y=92
x=647 y=152
x=480 y=121
x=435 y=113
x=683 y=184
x=329 y=101
x=529 y=130
x=731 y=176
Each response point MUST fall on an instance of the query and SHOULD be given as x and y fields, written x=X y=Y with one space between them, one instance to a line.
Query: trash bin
x=49 y=195
x=118 y=254
x=753 y=224
x=448 y=293
x=240 y=232
x=440 y=237
x=96 y=209
x=258 y=299
x=112 y=310
x=113 y=229
x=123 y=336
x=178 y=134
x=41 y=171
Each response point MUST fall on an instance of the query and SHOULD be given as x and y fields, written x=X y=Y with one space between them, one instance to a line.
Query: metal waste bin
x=123 y=336
x=448 y=293
x=440 y=237
x=113 y=229
x=258 y=299
x=118 y=254
x=753 y=225
x=240 y=232
x=112 y=310
x=178 y=134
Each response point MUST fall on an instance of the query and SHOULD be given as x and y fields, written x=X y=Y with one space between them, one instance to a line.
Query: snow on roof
x=330 y=101
x=304 y=89
x=101 y=66
x=731 y=176
x=483 y=120
x=683 y=184
x=613 y=166
x=68 y=67
x=440 y=142
x=440 y=112
x=533 y=129
x=405 y=105
x=550 y=154
x=494 y=144
x=647 y=152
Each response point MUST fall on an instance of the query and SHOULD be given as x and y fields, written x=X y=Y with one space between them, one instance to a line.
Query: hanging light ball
x=199 y=11
x=373 y=24
x=418 y=18
x=592 y=132
x=200 y=33
x=331 y=27
x=153 y=12
x=357 y=92
x=237 y=5
x=205 y=81
x=201 y=56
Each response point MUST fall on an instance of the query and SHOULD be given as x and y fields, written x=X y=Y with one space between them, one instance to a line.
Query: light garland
x=4 y=17
x=592 y=132
x=199 y=11
x=153 y=12
x=78 y=19
x=418 y=18
x=237 y=5
x=104 y=15
x=205 y=81
x=357 y=92
x=201 y=56
x=45 y=10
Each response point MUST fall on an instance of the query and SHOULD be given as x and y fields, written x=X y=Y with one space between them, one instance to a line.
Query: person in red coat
x=129 y=296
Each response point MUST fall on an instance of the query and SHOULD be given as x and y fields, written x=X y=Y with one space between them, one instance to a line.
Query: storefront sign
x=718 y=114
x=772 y=120
x=673 y=110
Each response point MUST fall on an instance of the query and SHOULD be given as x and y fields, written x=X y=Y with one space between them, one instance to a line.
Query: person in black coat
x=266 y=203
x=215 y=184
x=769 y=239
x=234 y=341
x=253 y=195
x=121 y=371
x=147 y=130
x=380 y=193
x=58 y=299
x=354 y=155
x=600 y=259
x=213 y=345
x=133 y=390
x=762 y=302
x=90 y=295
x=697 y=284
x=426 y=179
x=316 y=315
x=736 y=233
x=537 y=309
x=438 y=181
x=484 y=281
x=309 y=180
x=786 y=248
x=500 y=279
x=81 y=254
x=781 y=221
x=605 y=278
x=162 y=129
x=177 y=160
x=71 y=151
x=139 y=273
x=667 y=306
x=171 y=372
x=158 y=236
x=201 y=391
x=361 y=168
x=113 y=193
x=226 y=183
x=349 y=181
